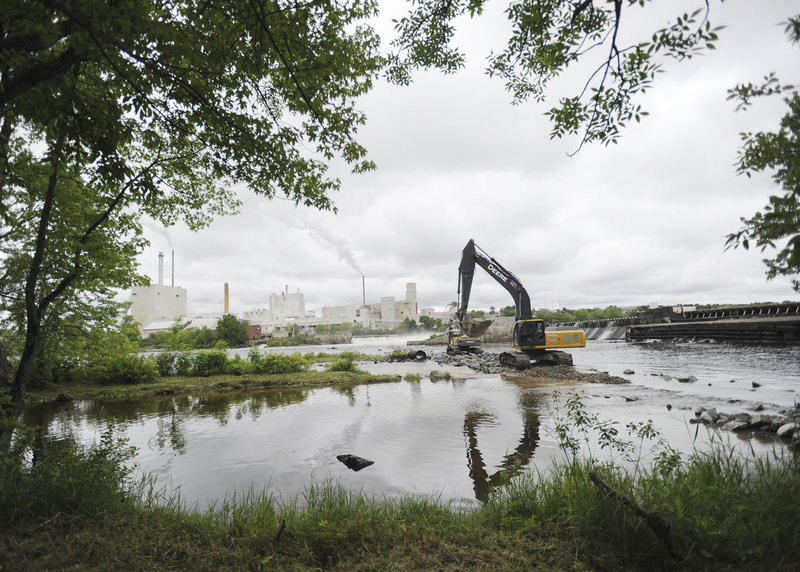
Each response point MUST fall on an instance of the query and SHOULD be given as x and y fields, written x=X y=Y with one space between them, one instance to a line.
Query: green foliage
x=276 y=363
x=65 y=478
x=345 y=364
x=109 y=113
x=546 y=39
x=165 y=363
x=231 y=331
x=777 y=226
x=209 y=362
x=435 y=376
x=413 y=377
x=508 y=311
x=295 y=341
x=407 y=325
x=433 y=324
x=477 y=313
x=129 y=368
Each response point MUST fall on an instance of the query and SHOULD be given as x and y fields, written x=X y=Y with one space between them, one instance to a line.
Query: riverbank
x=183 y=385
x=75 y=508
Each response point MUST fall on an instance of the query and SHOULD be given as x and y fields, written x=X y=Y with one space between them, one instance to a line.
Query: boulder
x=354 y=462
x=687 y=379
x=736 y=426
x=787 y=430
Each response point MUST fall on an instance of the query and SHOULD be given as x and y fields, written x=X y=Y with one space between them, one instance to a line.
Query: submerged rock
x=354 y=462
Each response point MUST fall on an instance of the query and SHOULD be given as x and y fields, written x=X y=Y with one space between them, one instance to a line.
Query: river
x=447 y=440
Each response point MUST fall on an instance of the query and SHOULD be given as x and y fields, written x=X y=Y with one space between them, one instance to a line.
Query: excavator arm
x=472 y=255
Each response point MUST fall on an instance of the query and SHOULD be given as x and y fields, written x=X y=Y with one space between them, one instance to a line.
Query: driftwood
x=656 y=522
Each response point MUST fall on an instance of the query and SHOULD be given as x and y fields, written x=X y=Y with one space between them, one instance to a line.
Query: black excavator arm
x=472 y=255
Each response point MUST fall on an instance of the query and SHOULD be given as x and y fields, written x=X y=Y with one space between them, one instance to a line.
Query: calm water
x=446 y=439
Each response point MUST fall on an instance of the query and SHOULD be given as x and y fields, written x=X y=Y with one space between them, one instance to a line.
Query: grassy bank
x=64 y=506
x=191 y=384
x=75 y=509
x=212 y=370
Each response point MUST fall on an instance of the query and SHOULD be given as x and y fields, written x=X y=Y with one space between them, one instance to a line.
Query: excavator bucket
x=474 y=328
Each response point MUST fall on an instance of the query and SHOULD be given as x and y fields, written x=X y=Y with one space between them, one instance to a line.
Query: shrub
x=183 y=364
x=129 y=368
x=238 y=366
x=345 y=364
x=276 y=363
x=413 y=377
x=209 y=362
x=165 y=362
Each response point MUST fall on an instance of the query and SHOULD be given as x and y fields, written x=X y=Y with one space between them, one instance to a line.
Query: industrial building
x=157 y=302
x=157 y=307
x=387 y=314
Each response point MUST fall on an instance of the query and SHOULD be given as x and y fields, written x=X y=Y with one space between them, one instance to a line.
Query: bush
x=276 y=363
x=183 y=364
x=209 y=362
x=238 y=366
x=129 y=368
x=165 y=362
x=345 y=364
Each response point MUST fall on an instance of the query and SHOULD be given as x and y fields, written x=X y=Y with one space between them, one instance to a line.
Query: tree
x=550 y=35
x=547 y=37
x=113 y=110
x=778 y=226
x=230 y=330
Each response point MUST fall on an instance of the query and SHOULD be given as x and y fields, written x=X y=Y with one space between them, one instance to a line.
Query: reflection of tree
x=513 y=463
x=171 y=412
x=169 y=428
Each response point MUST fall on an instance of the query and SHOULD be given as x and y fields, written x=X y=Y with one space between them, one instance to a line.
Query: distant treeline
x=564 y=314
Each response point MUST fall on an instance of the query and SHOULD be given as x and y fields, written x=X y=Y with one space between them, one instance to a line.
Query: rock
x=755 y=384
x=666 y=377
x=759 y=407
x=354 y=462
x=736 y=426
x=631 y=398
x=732 y=381
x=742 y=417
x=759 y=421
x=669 y=407
x=687 y=379
x=787 y=430
x=713 y=413
x=628 y=372
x=706 y=417
x=698 y=411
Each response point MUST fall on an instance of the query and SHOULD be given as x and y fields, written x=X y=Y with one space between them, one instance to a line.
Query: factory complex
x=158 y=307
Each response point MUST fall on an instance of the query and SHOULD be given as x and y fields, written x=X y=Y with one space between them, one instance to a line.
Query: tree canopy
x=113 y=110
x=778 y=226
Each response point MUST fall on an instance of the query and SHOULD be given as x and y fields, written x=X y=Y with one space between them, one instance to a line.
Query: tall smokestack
x=160 y=268
x=226 y=298
x=173 y=269
x=363 y=290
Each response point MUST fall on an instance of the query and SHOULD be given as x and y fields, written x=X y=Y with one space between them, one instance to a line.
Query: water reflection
x=513 y=463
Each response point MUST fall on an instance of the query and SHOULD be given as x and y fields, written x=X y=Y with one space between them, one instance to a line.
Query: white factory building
x=157 y=303
x=385 y=315
x=290 y=308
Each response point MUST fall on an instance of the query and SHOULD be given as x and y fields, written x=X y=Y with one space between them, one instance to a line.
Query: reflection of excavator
x=528 y=336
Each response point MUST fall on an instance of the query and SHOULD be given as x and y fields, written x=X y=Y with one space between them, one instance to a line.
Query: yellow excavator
x=532 y=342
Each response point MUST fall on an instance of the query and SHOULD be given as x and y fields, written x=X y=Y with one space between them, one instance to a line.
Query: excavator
x=528 y=337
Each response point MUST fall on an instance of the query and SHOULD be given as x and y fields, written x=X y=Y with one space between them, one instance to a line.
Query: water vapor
x=327 y=239
x=159 y=229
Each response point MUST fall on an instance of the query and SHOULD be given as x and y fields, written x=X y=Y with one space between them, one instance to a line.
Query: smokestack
x=226 y=298
x=173 y=269
x=160 y=268
x=363 y=290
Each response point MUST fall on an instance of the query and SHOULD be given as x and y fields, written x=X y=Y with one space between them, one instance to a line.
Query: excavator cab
x=528 y=335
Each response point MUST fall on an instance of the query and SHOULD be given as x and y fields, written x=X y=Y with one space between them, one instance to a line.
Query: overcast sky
x=641 y=222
